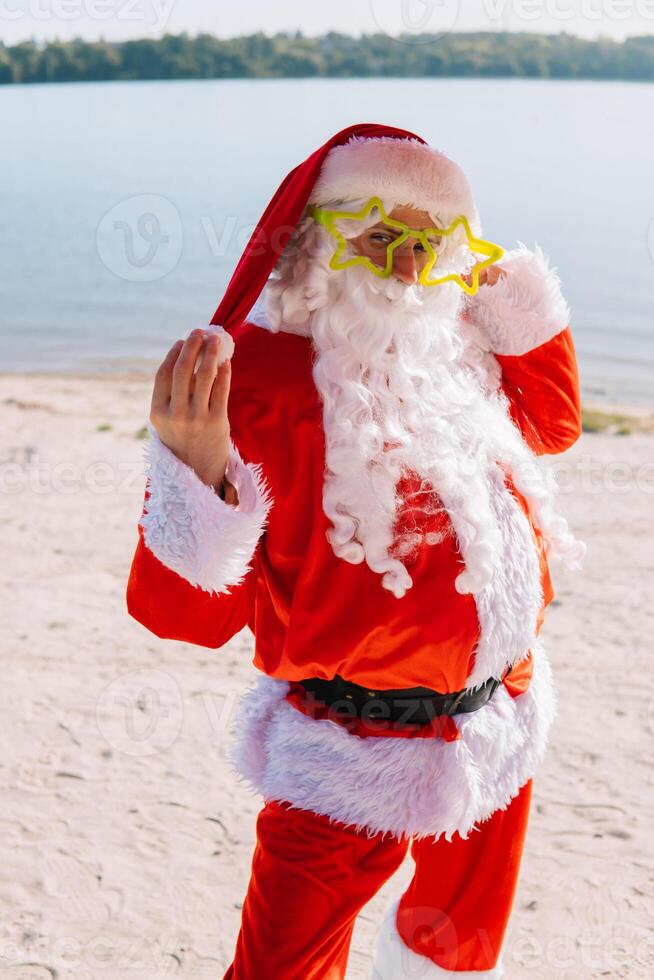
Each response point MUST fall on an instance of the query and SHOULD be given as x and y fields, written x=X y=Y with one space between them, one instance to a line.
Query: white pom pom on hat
x=226 y=340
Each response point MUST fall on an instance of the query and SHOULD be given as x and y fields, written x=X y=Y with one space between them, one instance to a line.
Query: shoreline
x=599 y=415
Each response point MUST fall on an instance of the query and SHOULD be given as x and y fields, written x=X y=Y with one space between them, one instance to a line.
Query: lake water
x=84 y=286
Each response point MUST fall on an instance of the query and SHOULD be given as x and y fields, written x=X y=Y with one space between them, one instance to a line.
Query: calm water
x=123 y=207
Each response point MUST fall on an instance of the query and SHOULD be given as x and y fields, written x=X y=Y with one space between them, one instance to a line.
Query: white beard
x=399 y=396
x=403 y=393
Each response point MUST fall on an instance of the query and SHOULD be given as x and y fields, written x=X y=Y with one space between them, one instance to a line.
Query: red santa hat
x=362 y=161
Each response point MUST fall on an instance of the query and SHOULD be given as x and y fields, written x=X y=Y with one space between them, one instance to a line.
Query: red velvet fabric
x=310 y=878
x=457 y=908
x=312 y=614
x=317 y=616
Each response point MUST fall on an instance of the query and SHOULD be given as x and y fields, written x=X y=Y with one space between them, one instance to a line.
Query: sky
x=119 y=19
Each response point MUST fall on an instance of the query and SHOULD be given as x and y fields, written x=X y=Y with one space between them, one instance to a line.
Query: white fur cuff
x=207 y=541
x=523 y=309
x=395 y=961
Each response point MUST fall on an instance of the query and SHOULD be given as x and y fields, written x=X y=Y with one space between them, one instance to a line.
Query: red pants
x=310 y=879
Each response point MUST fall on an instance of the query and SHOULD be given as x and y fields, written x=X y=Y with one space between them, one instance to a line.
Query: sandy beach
x=126 y=840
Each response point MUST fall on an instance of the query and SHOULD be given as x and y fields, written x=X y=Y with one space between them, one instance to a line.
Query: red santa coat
x=201 y=574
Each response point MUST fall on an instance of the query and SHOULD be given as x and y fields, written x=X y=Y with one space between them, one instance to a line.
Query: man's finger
x=163 y=379
x=231 y=493
x=183 y=371
x=206 y=373
x=495 y=273
x=220 y=390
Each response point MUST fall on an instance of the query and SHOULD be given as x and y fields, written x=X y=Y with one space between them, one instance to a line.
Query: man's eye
x=381 y=239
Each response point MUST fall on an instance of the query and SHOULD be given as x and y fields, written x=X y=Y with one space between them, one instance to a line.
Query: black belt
x=411 y=706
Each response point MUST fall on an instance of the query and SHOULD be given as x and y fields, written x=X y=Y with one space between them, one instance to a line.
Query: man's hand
x=488 y=276
x=189 y=407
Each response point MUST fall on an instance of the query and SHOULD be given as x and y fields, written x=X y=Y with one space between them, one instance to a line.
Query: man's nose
x=404 y=266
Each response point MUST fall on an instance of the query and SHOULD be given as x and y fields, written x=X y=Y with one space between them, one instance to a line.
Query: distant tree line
x=478 y=55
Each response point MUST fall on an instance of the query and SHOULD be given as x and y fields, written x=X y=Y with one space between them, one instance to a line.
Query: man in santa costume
x=352 y=471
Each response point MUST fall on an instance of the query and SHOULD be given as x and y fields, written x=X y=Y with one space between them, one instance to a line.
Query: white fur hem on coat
x=395 y=961
x=207 y=541
x=412 y=787
x=522 y=310
x=509 y=605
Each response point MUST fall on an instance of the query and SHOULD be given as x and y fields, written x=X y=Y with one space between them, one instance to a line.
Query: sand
x=126 y=841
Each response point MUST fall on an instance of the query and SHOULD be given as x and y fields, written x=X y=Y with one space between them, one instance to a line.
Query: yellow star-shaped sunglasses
x=478 y=246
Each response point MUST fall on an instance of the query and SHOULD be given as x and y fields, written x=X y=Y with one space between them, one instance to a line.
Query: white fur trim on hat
x=402 y=170
x=394 y=960
x=523 y=309
x=414 y=787
x=207 y=541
